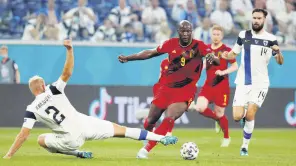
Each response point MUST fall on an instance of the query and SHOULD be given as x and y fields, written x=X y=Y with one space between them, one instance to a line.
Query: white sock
x=248 y=130
x=72 y=153
x=169 y=134
x=51 y=150
x=154 y=137
x=138 y=134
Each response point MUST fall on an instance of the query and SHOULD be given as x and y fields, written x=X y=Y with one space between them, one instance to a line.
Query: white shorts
x=245 y=94
x=95 y=129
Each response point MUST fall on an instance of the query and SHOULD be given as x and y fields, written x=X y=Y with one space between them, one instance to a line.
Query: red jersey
x=163 y=67
x=212 y=78
x=185 y=63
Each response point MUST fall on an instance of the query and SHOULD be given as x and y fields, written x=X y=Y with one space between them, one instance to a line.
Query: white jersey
x=53 y=109
x=255 y=56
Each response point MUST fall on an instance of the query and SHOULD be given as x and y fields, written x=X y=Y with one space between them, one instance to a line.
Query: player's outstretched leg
x=174 y=111
x=248 y=128
x=202 y=107
x=223 y=121
x=153 y=116
x=52 y=140
x=139 y=134
x=150 y=117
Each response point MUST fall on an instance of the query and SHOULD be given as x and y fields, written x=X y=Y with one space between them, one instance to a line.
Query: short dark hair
x=265 y=13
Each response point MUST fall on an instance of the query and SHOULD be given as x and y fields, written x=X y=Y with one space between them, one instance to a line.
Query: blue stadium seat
x=16 y=26
x=95 y=2
x=3 y=9
x=102 y=8
x=16 y=2
x=33 y=5
x=18 y=9
x=65 y=5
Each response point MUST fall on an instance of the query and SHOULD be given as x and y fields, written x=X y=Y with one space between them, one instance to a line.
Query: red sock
x=148 y=126
x=209 y=113
x=224 y=125
x=170 y=130
x=166 y=125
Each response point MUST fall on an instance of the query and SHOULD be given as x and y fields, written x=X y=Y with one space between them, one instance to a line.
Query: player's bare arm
x=17 y=76
x=69 y=64
x=146 y=54
x=19 y=140
x=279 y=56
x=229 y=55
x=232 y=68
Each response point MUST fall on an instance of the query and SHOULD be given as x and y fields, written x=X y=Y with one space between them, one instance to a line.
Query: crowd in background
x=139 y=20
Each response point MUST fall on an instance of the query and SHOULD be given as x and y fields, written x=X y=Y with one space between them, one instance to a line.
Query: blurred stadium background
x=138 y=20
x=33 y=31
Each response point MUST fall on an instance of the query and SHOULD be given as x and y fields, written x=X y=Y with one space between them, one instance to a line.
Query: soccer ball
x=189 y=151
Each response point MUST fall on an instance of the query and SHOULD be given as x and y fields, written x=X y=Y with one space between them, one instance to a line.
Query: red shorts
x=165 y=96
x=217 y=95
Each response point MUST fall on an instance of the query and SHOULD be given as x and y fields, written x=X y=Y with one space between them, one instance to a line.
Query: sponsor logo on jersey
x=265 y=42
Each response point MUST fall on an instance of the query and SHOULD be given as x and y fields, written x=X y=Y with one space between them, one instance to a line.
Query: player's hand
x=275 y=48
x=220 y=73
x=68 y=44
x=225 y=55
x=122 y=59
x=7 y=156
x=210 y=58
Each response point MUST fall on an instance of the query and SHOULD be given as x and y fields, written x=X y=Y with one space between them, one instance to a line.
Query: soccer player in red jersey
x=216 y=88
x=176 y=87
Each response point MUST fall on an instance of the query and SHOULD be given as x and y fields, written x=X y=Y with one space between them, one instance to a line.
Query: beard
x=216 y=41
x=257 y=28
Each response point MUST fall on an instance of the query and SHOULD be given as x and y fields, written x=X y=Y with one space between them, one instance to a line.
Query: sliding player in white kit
x=252 y=80
x=70 y=128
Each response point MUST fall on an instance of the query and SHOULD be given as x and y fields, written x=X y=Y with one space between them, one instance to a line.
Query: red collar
x=187 y=44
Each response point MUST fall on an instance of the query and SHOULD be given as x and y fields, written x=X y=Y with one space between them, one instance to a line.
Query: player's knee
x=171 y=116
x=175 y=115
x=41 y=140
x=201 y=104
x=237 y=117
x=219 y=111
x=219 y=114
x=238 y=113
x=176 y=110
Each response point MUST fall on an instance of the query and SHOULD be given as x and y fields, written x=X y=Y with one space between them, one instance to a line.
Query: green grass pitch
x=268 y=147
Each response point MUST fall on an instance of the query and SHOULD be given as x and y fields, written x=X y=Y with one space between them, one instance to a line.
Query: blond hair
x=218 y=28
x=35 y=83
